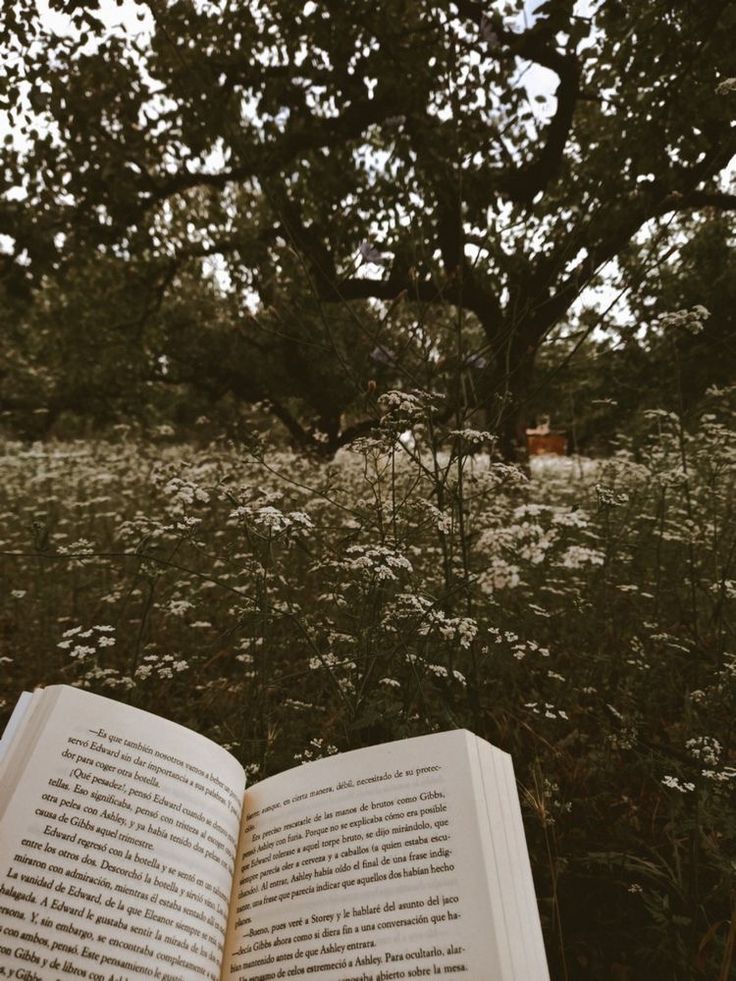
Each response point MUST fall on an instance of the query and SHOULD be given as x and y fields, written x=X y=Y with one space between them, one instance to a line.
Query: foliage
x=598 y=385
x=394 y=149
x=583 y=621
x=61 y=355
x=705 y=274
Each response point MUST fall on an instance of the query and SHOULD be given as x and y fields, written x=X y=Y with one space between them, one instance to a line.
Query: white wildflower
x=675 y=783
x=726 y=87
x=719 y=776
x=178 y=607
x=578 y=556
x=608 y=497
x=271 y=519
x=81 y=651
x=377 y=562
x=704 y=748
x=500 y=575
x=475 y=437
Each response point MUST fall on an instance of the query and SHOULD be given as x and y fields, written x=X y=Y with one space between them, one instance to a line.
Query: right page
x=398 y=861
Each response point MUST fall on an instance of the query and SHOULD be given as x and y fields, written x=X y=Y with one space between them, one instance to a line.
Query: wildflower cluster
x=579 y=615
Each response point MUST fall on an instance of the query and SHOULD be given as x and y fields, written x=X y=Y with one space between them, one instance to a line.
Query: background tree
x=256 y=132
x=685 y=363
x=80 y=350
x=599 y=382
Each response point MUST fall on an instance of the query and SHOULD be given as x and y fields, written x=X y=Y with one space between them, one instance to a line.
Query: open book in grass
x=130 y=848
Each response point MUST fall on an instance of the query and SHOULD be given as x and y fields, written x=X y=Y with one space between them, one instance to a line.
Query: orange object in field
x=538 y=444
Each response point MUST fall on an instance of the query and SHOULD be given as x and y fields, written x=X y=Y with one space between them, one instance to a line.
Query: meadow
x=577 y=613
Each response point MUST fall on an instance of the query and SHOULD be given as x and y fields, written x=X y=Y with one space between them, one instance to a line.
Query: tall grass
x=581 y=618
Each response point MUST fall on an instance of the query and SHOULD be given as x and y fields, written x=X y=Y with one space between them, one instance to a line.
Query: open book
x=129 y=848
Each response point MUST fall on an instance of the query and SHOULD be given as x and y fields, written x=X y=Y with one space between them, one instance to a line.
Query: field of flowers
x=580 y=617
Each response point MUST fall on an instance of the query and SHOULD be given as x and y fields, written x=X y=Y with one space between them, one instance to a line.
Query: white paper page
x=14 y=722
x=365 y=865
x=117 y=846
x=535 y=963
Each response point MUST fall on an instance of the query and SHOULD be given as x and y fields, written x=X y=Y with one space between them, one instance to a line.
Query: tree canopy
x=350 y=152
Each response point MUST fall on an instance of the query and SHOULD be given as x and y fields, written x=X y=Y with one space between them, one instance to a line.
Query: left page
x=118 y=832
x=14 y=725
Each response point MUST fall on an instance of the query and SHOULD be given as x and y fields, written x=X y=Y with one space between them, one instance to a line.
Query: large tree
x=284 y=128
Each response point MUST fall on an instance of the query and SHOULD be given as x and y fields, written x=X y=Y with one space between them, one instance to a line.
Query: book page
x=513 y=901
x=366 y=866
x=529 y=951
x=15 y=723
x=117 y=845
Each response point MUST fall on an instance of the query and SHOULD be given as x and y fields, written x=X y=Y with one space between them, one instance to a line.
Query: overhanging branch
x=521 y=184
x=261 y=160
x=718 y=200
x=608 y=232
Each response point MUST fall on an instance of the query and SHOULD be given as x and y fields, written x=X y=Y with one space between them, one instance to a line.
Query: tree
x=686 y=362
x=83 y=349
x=286 y=128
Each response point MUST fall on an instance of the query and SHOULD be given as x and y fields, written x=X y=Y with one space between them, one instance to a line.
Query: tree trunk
x=511 y=429
x=509 y=398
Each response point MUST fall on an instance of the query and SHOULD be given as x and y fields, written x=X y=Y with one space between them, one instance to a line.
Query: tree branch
x=719 y=200
x=422 y=291
x=262 y=160
x=537 y=44
x=608 y=233
x=363 y=428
